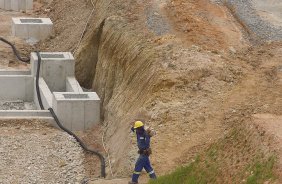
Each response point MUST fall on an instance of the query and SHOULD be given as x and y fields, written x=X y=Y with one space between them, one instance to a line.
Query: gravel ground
x=156 y=22
x=259 y=29
x=32 y=152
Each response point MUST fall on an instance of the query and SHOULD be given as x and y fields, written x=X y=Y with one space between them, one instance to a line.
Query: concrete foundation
x=55 y=68
x=16 y=5
x=35 y=29
x=76 y=109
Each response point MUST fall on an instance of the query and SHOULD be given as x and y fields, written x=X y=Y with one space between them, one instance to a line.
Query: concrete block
x=32 y=28
x=79 y=111
x=55 y=68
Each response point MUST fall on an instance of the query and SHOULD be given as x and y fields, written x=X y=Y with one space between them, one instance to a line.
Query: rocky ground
x=33 y=152
x=259 y=28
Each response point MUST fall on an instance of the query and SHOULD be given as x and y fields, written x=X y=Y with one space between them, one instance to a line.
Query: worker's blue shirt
x=143 y=140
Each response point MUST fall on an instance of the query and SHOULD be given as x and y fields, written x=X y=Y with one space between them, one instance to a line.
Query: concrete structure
x=76 y=109
x=55 y=68
x=16 y=5
x=72 y=108
x=32 y=28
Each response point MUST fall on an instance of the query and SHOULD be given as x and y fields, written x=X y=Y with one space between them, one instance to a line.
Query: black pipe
x=37 y=81
x=27 y=60
x=102 y=159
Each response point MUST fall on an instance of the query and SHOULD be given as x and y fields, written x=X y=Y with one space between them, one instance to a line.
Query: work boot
x=131 y=182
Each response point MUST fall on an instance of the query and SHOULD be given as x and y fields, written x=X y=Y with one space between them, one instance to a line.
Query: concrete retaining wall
x=16 y=87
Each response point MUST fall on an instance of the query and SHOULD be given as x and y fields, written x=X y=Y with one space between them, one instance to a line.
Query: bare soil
x=192 y=81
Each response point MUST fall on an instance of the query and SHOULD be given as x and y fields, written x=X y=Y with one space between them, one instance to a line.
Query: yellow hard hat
x=138 y=124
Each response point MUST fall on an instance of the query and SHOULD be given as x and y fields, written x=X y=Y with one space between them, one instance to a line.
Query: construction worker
x=143 y=141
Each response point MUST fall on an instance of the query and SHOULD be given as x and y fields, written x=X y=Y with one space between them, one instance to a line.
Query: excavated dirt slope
x=185 y=66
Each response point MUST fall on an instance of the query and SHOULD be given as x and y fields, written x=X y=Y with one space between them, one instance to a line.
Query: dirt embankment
x=186 y=79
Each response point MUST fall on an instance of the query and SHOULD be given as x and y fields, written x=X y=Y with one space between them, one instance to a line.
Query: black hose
x=27 y=60
x=37 y=81
x=102 y=159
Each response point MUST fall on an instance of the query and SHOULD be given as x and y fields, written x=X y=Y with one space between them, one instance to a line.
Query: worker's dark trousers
x=143 y=162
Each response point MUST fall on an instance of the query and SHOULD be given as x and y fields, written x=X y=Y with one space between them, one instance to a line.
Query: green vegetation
x=194 y=173
x=262 y=171
x=205 y=172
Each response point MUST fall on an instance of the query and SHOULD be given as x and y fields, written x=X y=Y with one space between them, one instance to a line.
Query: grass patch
x=262 y=171
x=198 y=172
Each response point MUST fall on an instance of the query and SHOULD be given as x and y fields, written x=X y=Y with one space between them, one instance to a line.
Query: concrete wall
x=16 y=87
x=77 y=111
x=54 y=70
x=73 y=86
x=46 y=94
x=32 y=30
x=16 y=5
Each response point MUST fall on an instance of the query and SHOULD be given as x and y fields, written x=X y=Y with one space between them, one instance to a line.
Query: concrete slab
x=32 y=28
